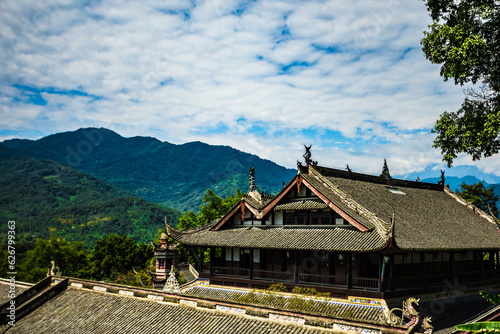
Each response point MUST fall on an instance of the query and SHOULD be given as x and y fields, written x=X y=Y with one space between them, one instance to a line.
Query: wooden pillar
x=453 y=269
x=481 y=263
x=349 y=270
x=380 y=270
x=422 y=268
x=391 y=266
x=296 y=268
x=211 y=253
x=202 y=259
x=223 y=256
x=250 y=271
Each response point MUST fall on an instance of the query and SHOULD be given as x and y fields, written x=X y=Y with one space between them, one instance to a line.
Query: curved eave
x=341 y=239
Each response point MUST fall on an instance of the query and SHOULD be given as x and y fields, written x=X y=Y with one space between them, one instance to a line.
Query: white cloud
x=177 y=69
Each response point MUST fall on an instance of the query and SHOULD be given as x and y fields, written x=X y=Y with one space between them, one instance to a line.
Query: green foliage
x=135 y=278
x=70 y=258
x=118 y=254
x=114 y=258
x=214 y=208
x=473 y=129
x=480 y=196
x=464 y=39
x=480 y=327
x=278 y=287
x=310 y=292
x=494 y=299
x=47 y=198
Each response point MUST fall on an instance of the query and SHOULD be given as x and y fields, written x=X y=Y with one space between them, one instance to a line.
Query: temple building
x=351 y=234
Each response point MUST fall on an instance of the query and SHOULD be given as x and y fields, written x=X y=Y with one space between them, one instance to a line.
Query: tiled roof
x=5 y=288
x=304 y=204
x=331 y=308
x=427 y=216
x=285 y=237
x=449 y=312
x=81 y=311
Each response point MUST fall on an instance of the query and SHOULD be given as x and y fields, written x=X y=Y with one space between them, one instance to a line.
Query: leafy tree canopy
x=480 y=196
x=465 y=38
x=118 y=254
x=214 y=208
x=69 y=258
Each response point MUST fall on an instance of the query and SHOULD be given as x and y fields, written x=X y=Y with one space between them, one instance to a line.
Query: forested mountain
x=48 y=198
x=176 y=176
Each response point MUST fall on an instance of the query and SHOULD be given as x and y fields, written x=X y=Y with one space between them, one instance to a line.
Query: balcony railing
x=365 y=283
x=329 y=280
x=278 y=276
x=232 y=272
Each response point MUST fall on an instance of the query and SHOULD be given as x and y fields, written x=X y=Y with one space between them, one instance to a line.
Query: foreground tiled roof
x=81 y=311
x=328 y=307
x=449 y=312
x=84 y=306
x=285 y=237
x=5 y=289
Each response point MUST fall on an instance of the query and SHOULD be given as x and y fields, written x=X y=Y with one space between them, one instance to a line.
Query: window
x=339 y=221
x=296 y=220
x=395 y=191
x=161 y=264
x=321 y=219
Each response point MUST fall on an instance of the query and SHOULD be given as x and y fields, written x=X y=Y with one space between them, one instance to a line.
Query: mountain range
x=86 y=184
x=173 y=175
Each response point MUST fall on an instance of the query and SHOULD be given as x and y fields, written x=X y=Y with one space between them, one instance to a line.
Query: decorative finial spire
x=441 y=182
x=171 y=285
x=385 y=171
x=348 y=169
x=418 y=179
x=307 y=156
x=252 y=179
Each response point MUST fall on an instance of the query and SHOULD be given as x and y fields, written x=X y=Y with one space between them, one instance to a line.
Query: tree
x=214 y=208
x=70 y=258
x=118 y=254
x=465 y=38
x=480 y=196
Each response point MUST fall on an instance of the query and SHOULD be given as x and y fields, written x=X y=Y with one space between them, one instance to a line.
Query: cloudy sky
x=265 y=77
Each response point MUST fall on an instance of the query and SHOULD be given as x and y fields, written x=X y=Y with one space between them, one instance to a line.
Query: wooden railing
x=280 y=276
x=231 y=272
x=323 y=280
x=365 y=283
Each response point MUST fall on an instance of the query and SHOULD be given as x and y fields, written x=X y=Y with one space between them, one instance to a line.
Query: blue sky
x=265 y=77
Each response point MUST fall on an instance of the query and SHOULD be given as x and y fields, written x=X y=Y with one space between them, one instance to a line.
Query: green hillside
x=176 y=176
x=48 y=198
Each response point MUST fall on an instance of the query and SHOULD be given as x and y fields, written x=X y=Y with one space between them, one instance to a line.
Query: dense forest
x=46 y=199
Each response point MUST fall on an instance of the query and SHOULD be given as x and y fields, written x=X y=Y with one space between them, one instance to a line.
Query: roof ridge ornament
x=385 y=172
x=441 y=182
x=251 y=179
x=307 y=158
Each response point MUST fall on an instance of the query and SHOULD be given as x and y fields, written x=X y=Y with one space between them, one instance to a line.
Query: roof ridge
x=376 y=179
x=469 y=205
x=383 y=228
